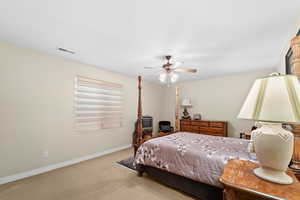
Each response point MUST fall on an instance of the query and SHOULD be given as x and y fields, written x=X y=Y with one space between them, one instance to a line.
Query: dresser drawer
x=216 y=124
x=186 y=128
x=200 y=123
x=185 y=122
x=212 y=131
x=195 y=129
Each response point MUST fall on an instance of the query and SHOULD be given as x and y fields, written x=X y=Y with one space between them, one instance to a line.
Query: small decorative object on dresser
x=185 y=104
x=270 y=100
x=216 y=128
x=197 y=116
x=241 y=184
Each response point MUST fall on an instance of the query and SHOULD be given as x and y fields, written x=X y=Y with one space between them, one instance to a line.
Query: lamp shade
x=186 y=102
x=273 y=99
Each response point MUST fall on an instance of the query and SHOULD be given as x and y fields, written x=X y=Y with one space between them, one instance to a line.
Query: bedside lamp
x=272 y=101
x=185 y=104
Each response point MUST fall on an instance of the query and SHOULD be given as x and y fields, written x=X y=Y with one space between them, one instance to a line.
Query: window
x=98 y=104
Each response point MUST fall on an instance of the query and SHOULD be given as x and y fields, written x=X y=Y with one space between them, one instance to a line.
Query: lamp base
x=273 y=175
x=274 y=148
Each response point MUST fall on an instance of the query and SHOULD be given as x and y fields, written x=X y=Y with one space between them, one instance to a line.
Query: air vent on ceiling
x=65 y=50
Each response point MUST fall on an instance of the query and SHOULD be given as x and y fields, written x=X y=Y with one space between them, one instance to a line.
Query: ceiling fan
x=169 y=71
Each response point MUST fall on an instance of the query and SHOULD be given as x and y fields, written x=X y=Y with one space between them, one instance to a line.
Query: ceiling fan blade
x=152 y=67
x=152 y=71
x=177 y=64
x=186 y=70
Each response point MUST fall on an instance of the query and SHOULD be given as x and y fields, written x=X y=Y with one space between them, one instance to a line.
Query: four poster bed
x=186 y=161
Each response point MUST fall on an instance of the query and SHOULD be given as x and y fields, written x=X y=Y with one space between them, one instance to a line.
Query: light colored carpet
x=100 y=178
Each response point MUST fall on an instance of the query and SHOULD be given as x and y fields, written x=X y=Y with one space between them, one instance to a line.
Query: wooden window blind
x=98 y=104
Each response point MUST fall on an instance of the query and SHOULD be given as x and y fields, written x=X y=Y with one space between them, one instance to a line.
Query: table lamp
x=185 y=104
x=273 y=100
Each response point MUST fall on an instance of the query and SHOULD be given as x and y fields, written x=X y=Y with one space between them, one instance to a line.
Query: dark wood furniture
x=298 y=176
x=295 y=165
x=293 y=67
x=138 y=137
x=240 y=183
x=292 y=58
x=215 y=128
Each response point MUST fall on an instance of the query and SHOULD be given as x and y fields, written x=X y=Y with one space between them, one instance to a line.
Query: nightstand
x=245 y=135
x=240 y=183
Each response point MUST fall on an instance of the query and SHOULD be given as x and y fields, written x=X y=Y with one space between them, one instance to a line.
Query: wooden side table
x=245 y=135
x=240 y=183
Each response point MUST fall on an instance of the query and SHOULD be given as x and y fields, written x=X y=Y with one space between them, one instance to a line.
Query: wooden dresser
x=216 y=128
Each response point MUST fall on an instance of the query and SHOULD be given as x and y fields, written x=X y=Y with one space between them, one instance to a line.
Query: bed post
x=177 y=121
x=139 y=132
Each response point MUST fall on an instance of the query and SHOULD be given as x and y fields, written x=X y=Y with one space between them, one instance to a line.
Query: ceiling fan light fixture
x=162 y=77
x=174 y=77
x=168 y=78
x=168 y=75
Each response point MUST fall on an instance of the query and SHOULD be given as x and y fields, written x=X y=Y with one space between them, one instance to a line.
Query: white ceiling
x=217 y=37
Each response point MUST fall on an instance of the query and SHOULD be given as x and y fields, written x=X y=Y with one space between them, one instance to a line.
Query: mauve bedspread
x=195 y=156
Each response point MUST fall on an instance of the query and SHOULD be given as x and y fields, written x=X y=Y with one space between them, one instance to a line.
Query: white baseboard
x=41 y=170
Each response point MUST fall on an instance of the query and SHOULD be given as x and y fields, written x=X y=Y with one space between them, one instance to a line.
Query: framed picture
x=288 y=59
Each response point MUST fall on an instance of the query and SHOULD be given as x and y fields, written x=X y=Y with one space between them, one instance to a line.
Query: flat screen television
x=147 y=122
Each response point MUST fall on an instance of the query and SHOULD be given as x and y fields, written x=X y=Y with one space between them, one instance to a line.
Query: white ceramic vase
x=274 y=149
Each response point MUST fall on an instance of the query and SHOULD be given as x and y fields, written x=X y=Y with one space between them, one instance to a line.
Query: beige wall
x=36 y=107
x=215 y=99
